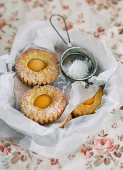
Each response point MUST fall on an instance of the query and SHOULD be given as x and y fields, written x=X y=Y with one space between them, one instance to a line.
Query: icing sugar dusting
x=78 y=69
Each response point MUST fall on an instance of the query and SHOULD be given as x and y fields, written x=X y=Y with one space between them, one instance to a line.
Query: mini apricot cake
x=43 y=104
x=90 y=105
x=36 y=66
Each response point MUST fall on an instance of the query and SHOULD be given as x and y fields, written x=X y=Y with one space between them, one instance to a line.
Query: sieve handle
x=57 y=15
x=88 y=84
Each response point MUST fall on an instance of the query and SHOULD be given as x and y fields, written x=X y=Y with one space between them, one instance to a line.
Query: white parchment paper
x=52 y=140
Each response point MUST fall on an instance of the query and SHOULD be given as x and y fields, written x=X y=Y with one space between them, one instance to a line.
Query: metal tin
x=78 y=53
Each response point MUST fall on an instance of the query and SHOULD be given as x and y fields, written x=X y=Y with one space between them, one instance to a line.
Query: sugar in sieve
x=75 y=53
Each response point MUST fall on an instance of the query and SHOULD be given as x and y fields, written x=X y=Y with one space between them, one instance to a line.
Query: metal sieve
x=75 y=53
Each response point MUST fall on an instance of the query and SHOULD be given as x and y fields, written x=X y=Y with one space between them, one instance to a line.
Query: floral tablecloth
x=103 y=19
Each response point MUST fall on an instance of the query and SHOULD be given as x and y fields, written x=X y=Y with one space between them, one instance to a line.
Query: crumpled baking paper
x=51 y=140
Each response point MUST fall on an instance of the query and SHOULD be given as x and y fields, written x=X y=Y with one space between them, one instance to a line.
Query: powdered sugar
x=78 y=69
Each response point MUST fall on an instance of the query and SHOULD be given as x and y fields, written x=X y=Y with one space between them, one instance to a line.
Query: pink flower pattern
x=104 y=145
x=102 y=150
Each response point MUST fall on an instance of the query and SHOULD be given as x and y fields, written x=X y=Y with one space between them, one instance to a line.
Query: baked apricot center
x=36 y=65
x=89 y=101
x=43 y=101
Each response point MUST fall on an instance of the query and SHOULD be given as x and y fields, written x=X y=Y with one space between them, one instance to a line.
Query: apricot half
x=43 y=101
x=36 y=65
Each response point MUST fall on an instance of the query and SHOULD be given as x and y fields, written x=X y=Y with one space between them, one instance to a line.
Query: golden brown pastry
x=36 y=66
x=43 y=104
x=90 y=105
